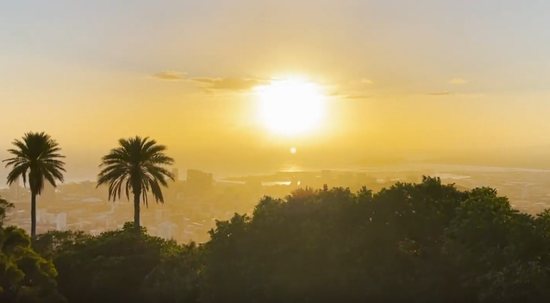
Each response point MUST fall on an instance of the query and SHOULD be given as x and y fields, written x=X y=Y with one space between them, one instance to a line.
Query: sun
x=291 y=106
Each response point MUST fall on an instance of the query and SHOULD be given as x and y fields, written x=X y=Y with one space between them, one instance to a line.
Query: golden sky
x=405 y=81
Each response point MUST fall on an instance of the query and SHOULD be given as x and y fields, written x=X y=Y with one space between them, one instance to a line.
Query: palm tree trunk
x=136 y=211
x=33 y=216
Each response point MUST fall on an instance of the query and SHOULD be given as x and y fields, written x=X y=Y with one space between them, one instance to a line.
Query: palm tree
x=36 y=157
x=137 y=165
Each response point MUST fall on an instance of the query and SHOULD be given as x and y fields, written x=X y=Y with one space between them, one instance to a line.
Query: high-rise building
x=198 y=180
x=176 y=173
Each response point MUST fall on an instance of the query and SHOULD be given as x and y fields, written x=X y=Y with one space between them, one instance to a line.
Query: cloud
x=458 y=81
x=228 y=83
x=441 y=93
x=211 y=84
x=366 y=81
x=357 y=97
x=348 y=94
x=169 y=76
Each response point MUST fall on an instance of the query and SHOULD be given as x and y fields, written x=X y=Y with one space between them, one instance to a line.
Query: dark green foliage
x=175 y=278
x=425 y=242
x=123 y=266
x=53 y=243
x=4 y=206
x=25 y=276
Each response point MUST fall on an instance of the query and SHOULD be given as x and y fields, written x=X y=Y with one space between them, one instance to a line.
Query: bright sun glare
x=291 y=106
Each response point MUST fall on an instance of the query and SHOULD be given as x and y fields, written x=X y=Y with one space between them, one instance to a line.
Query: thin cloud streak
x=228 y=83
x=169 y=76
x=458 y=81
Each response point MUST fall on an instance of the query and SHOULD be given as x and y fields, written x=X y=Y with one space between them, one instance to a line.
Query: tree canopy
x=35 y=159
x=411 y=242
x=137 y=166
x=25 y=276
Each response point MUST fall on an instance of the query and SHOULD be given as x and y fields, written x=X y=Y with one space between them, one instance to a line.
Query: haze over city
x=245 y=88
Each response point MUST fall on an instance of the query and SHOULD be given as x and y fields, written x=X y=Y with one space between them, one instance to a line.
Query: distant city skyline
x=193 y=205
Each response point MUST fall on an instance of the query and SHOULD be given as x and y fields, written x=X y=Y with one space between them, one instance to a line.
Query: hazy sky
x=463 y=81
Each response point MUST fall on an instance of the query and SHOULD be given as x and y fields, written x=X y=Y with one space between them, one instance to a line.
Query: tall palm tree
x=36 y=157
x=137 y=165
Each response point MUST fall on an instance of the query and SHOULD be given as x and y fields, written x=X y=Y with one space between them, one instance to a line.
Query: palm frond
x=139 y=166
x=35 y=157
